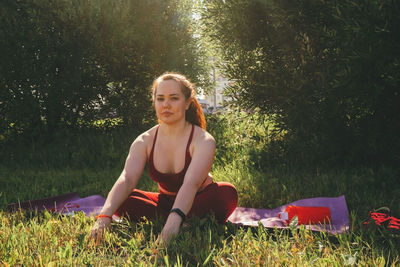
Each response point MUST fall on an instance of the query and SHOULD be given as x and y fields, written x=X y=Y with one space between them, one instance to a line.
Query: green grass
x=48 y=239
x=89 y=163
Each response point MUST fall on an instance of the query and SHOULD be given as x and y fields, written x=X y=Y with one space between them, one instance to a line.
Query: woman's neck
x=174 y=129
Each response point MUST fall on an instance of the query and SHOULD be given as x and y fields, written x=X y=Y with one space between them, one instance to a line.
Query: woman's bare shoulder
x=202 y=137
x=145 y=138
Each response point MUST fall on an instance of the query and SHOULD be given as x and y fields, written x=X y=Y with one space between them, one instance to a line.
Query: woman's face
x=169 y=102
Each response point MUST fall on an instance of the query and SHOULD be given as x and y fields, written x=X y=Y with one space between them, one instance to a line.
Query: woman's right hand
x=97 y=232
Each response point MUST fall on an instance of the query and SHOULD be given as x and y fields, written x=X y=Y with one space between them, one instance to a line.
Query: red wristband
x=103 y=216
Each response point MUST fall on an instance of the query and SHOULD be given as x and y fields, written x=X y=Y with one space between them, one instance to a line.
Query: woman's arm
x=200 y=166
x=124 y=185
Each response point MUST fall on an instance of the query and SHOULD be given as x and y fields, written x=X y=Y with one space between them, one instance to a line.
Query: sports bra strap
x=190 y=139
x=154 y=142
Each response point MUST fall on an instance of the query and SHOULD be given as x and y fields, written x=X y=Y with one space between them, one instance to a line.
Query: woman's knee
x=228 y=192
x=227 y=199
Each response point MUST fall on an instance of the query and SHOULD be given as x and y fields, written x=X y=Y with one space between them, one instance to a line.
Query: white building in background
x=215 y=99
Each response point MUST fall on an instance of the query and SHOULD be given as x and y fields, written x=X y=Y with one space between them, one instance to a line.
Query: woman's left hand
x=170 y=230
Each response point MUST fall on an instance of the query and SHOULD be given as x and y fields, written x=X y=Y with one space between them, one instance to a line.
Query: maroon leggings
x=217 y=198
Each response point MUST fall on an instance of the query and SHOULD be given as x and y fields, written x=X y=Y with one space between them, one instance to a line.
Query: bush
x=64 y=62
x=328 y=71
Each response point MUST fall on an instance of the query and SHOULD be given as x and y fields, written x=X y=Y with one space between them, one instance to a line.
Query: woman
x=179 y=153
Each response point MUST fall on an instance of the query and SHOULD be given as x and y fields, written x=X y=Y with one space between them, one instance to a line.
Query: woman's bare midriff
x=207 y=181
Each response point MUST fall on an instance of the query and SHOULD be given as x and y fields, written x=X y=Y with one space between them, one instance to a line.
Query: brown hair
x=194 y=114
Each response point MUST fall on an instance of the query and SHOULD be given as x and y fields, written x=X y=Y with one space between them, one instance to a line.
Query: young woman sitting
x=179 y=153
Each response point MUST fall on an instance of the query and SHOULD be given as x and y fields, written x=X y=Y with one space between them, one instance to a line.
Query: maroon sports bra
x=170 y=181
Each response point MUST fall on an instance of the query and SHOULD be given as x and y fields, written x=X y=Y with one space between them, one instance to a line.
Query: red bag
x=306 y=215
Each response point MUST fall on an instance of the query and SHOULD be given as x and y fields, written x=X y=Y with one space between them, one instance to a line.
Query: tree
x=50 y=76
x=154 y=36
x=328 y=71
x=65 y=63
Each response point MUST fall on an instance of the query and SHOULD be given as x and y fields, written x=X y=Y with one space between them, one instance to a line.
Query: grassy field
x=89 y=163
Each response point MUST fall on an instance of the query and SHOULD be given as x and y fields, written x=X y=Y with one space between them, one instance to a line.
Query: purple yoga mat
x=71 y=203
x=269 y=217
x=65 y=204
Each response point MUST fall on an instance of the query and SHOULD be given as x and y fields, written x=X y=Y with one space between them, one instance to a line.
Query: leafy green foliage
x=66 y=62
x=49 y=70
x=328 y=71
x=240 y=135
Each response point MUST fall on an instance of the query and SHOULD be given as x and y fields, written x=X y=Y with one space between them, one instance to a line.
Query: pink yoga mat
x=269 y=217
x=71 y=203
x=65 y=204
